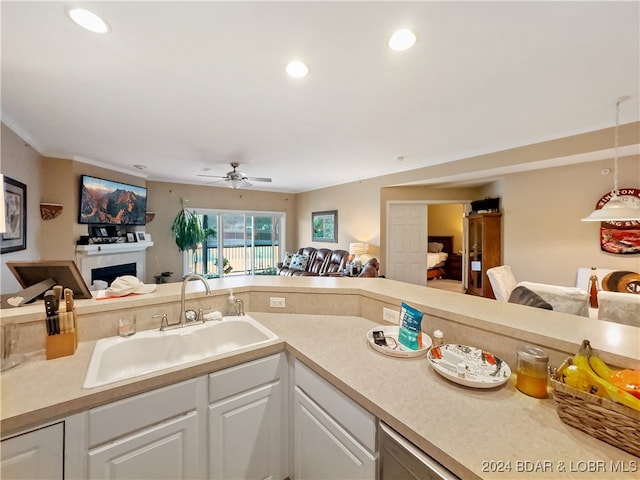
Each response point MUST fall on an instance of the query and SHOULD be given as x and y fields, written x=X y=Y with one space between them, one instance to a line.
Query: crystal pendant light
x=615 y=210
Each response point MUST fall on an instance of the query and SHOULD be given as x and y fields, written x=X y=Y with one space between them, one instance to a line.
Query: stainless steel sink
x=121 y=358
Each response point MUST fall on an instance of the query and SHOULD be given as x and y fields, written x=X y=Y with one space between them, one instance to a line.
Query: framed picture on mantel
x=324 y=226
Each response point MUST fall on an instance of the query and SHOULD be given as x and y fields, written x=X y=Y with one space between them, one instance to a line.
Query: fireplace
x=106 y=262
x=109 y=274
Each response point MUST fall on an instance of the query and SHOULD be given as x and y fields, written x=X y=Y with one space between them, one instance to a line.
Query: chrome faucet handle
x=164 y=323
x=201 y=313
x=190 y=316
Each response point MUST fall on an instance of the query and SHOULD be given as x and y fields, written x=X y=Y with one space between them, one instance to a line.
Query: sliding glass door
x=243 y=243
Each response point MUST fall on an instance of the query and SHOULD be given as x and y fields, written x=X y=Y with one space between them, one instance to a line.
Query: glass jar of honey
x=532 y=371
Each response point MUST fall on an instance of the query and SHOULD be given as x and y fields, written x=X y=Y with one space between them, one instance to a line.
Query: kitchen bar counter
x=475 y=433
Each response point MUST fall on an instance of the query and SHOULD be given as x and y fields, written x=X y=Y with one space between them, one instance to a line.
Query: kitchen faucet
x=187 y=316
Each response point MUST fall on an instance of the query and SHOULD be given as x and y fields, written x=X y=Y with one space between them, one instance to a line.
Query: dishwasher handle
x=435 y=470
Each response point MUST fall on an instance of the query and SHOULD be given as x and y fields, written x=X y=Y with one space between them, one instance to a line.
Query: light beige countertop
x=470 y=431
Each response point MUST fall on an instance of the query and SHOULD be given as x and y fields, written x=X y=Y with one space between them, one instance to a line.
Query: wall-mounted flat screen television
x=106 y=202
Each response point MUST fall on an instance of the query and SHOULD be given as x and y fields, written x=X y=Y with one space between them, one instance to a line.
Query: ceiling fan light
x=234 y=183
x=615 y=210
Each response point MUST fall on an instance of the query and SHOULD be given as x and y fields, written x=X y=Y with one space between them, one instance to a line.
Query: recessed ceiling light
x=402 y=40
x=88 y=20
x=140 y=167
x=297 y=69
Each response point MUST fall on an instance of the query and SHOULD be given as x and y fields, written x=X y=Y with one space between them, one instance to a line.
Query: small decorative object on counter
x=532 y=371
x=438 y=338
x=593 y=288
x=126 y=328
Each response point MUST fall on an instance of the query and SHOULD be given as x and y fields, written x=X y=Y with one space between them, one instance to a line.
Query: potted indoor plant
x=188 y=231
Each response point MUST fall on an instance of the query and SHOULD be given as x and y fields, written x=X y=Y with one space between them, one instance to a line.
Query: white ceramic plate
x=393 y=347
x=469 y=366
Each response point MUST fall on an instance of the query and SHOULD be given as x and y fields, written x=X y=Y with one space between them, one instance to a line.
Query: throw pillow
x=286 y=261
x=435 y=247
x=523 y=296
x=299 y=262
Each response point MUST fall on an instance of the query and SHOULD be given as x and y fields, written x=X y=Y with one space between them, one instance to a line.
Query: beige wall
x=446 y=219
x=164 y=200
x=61 y=184
x=544 y=240
x=21 y=162
x=358 y=206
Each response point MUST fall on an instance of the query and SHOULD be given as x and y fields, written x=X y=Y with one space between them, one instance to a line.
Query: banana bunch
x=590 y=374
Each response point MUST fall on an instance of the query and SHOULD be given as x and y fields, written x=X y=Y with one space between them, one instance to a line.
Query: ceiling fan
x=235 y=179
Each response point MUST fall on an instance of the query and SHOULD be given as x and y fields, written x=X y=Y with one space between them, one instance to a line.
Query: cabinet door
x=168 y=450
x=35 y=455
x=245 y=435
x=475 y=255
x=247 y=427
x=323 y=450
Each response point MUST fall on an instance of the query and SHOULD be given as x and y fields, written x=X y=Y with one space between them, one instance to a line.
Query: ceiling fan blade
x=258 y=179
x=217 y=181
x=210 y=176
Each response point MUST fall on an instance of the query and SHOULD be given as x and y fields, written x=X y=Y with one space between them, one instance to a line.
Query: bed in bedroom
x=439 y=248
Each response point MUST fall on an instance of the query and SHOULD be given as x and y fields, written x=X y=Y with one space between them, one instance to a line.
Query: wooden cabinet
x=484 y=251
x=334 y=438
x=247 y=421
x=38 y=454
x=454 y=266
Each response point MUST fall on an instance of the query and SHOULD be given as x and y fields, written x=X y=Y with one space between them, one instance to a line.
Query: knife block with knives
x=62 y=327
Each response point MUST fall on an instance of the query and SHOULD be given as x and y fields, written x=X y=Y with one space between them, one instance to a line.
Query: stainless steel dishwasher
x=402 y=460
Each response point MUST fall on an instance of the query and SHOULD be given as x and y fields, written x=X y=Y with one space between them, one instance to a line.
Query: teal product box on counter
x=410 y=334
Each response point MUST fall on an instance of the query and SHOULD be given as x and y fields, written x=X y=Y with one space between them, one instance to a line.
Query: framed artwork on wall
x=14 y=236
x=324 y=226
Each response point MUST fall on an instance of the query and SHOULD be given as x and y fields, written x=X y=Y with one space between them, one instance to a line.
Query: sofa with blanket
x=320 y=262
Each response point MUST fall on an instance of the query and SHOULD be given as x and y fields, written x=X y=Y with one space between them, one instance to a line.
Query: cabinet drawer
x=125 y=416
x=235 y=380
x=351 y=416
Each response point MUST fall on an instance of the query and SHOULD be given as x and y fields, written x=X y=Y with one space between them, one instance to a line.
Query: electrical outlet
x=277 y=302
x=390 y=315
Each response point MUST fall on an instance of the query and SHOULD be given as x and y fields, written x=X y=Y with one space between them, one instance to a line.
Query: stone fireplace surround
x=89 y=257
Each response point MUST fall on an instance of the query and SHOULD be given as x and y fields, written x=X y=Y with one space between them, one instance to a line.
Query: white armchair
x=571 y=300
x=619 y=307
x=502 y=282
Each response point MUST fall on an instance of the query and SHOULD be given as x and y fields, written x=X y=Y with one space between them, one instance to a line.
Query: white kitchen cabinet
x=247 y=421
x=165 y=451
x=334 y=438
x=153 y=435
x=38 y=454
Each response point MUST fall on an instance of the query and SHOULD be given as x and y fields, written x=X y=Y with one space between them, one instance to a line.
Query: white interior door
x=407 y=242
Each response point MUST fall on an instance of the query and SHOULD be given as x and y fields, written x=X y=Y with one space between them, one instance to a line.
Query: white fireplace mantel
x=112 y=248
x=89 y=257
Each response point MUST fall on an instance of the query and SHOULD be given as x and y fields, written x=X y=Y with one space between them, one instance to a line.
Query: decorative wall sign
x=324 y=226
x=15 y=214
x=621 y=238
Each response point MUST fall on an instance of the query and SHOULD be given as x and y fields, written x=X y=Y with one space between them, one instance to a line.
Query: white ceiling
x=184 y=86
